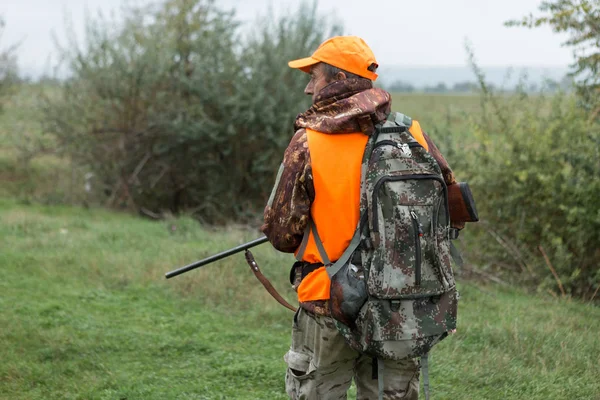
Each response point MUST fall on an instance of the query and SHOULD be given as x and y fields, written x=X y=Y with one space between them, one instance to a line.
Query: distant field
x=85 y=313
x=436 y=107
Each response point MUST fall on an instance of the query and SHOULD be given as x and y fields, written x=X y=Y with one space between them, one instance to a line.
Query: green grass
x=30 y=164
x=447 y=118
x=85 y=313
x=437 y=109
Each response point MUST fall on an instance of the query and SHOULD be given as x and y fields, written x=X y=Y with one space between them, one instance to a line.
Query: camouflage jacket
x=342 y=107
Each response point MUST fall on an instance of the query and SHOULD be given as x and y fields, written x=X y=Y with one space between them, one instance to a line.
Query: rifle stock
x=461 y=203
x=216 y=257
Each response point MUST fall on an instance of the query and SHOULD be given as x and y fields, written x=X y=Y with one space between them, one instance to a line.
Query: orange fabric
x=336 y=168
x=349 y=53
x=417 y=133
x=314 y=286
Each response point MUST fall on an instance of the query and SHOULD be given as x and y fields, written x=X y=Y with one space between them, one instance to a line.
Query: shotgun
x=249 y=259
x=216 y=257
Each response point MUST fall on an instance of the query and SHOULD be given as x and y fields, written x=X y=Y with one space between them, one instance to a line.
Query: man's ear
x=340 y=76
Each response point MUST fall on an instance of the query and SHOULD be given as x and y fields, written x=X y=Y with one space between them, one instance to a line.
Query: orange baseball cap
x=349 y=53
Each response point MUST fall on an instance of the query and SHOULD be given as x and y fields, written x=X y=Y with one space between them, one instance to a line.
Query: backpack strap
x=403 y=120
x=425 y=369
x=456 y=256
x=374 y=374
x=303 y=244
x=345 y=257
x=400 y=119
x=380 y=377
x=312 y=227
x=319 y=243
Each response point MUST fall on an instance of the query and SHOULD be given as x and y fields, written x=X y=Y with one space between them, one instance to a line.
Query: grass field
x=85 y=311
x=87 y=314
x=437 y=110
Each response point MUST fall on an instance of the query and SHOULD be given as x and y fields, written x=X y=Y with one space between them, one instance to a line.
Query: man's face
x=317 y=81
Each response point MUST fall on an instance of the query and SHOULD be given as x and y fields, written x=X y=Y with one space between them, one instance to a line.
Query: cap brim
x=303 y=64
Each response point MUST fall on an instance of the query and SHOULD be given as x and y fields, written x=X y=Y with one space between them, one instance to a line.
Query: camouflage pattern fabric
x=321 y=365
x=286 y=217
x=351 y=105
x=347 y=106
x=411 y=299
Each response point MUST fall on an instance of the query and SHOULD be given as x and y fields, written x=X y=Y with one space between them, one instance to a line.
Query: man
x=317 y=192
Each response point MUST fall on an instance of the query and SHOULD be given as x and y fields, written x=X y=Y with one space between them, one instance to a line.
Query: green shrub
x=533 y=163
x=8 y=68
x=173 y=109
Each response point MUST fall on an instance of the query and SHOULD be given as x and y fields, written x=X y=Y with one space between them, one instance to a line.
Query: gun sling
x=265 y=282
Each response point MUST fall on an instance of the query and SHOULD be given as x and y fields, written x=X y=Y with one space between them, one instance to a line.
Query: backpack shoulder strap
x=345 y=257
x=402 y=119
x=312 y=227
x=425 y=370
x=396 y=119
x=380 y=378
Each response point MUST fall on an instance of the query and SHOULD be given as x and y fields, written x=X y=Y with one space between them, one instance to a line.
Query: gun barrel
x=216 y=257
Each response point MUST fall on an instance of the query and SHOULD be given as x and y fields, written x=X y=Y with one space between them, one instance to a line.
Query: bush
x=8 y=68
x=533 y=163
x=173 y=110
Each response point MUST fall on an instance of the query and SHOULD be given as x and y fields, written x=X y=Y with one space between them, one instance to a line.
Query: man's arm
x=288 y=211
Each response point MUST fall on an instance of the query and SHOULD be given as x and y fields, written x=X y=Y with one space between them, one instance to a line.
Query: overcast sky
x=400 y=32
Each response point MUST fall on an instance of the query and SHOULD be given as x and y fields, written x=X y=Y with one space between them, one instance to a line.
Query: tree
x=8 y=68
x=580 y=19
x=175 y=111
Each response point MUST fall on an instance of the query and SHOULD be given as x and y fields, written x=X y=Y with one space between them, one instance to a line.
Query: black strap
x=380 y=377
x=425 y=370
x=308 y=268
x=392 y=129
x=453 y=233
x=374 y=374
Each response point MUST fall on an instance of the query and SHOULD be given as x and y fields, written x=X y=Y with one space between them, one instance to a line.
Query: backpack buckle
x=404 y=150
x=453 y=233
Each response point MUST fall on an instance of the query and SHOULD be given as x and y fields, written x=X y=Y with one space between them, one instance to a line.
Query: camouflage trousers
x=321 y=365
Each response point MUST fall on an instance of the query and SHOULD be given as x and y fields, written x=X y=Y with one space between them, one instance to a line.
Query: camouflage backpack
x=401 y=300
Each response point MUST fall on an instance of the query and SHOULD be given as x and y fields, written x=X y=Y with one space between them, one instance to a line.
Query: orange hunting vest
x=336 y=169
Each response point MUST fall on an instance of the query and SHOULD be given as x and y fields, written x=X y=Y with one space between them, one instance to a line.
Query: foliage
x=87 y=314
x=581 y=20
x=534 y=163
x=172 y=110
x=8 y=68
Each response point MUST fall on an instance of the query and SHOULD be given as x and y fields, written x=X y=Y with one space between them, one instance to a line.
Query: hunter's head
x=338 y=58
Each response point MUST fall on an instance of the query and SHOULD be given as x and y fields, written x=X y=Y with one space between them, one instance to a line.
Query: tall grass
x=85 y=313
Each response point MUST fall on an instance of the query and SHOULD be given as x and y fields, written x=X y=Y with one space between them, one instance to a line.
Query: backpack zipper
x=389 y=178
x=418 y=229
